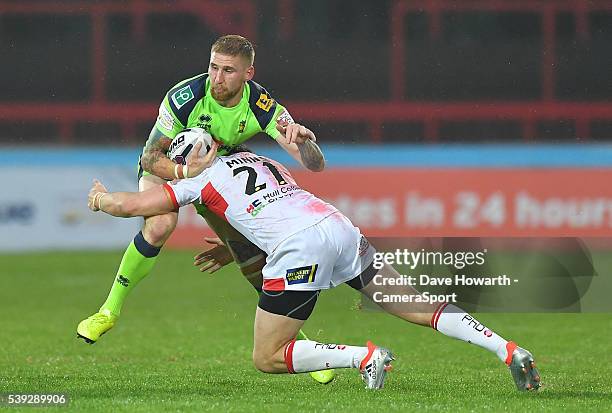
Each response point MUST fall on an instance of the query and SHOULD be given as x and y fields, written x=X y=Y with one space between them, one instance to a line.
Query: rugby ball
x=183 y=143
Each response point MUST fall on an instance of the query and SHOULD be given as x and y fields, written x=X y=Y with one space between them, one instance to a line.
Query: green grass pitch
x=184 y=343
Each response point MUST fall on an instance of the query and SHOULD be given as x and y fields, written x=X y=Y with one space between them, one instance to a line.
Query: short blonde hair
x=234 y=45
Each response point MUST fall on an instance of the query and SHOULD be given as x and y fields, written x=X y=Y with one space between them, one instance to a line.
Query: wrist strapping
x=100 y=199
x=181 y=173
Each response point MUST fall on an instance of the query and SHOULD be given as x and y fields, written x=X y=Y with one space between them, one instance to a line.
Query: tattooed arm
x=311 y=156
x=154 y=159
x=299 y=142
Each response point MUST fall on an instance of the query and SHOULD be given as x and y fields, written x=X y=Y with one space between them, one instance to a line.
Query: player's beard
x=224 y=94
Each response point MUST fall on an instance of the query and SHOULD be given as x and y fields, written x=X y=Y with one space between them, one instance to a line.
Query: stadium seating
x=384 y=71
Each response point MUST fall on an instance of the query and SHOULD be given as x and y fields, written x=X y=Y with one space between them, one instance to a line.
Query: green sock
x=137 y=262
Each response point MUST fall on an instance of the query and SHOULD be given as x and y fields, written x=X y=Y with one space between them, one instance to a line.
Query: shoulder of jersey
x=185 y=95
x=261 y=103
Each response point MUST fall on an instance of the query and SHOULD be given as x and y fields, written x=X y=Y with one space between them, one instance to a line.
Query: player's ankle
x=109 y=313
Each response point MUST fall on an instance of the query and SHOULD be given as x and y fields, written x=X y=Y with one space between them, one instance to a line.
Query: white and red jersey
x=256 y=195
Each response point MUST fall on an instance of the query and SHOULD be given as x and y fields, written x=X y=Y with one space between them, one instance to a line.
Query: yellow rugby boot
x=94 y=326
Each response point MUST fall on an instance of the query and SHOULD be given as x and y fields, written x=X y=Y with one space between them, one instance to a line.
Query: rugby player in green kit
x=229 y=105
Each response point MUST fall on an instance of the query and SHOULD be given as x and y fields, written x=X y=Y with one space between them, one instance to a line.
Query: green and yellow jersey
x=190 y=104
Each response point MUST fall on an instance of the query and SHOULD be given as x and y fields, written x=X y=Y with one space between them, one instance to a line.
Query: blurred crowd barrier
x=390 y=191
x=94 y=72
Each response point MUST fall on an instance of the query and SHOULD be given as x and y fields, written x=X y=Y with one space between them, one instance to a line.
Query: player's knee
x=157 y=229
x=263 y=361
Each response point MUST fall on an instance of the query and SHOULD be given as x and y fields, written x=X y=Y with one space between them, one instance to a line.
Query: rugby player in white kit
x=311 y=246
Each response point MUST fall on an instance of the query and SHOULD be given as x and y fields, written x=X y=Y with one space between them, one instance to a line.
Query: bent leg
x=140 y=256
x=251 y=260
x=279 y=316
x=272 y=334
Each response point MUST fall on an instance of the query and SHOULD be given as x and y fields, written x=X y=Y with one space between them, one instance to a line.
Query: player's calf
x=269 y=362
x=372 y=361
x=272 y=333
x=276 y=351
x=306 y=356
x=136 y=263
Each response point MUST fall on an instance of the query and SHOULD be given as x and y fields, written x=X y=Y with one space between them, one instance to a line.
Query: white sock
x=303 y=356
x=454 y=322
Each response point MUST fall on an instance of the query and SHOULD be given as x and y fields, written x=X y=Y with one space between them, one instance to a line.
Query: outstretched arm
x=155 y=201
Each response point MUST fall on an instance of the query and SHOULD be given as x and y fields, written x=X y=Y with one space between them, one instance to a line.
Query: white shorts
x=320 y=257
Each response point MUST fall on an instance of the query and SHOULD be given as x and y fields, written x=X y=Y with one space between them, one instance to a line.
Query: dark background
x=54 y=59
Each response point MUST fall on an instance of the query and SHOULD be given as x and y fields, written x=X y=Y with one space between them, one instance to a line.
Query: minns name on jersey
x=241 y=161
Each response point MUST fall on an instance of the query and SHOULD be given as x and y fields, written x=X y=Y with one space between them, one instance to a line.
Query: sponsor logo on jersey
x=302 y=275
x=280 y=193
x=265 y=102
x=204 y=122
x=363 y=246
x=165 y=118
x=241 y=126
x=285 y=118
x=255 y=207
x=182 y=96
